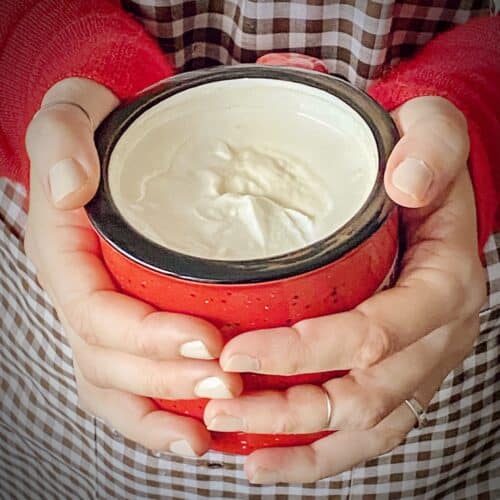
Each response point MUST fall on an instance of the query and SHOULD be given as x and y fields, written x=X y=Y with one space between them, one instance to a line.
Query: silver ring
x=67 y=103
x=329 y=409
x=418 y=410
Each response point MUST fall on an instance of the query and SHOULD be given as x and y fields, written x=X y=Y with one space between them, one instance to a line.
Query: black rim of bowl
x=109 y=223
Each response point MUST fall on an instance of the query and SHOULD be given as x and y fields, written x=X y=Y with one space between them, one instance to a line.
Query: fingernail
x=182 y=447
x=241 y=363
x=195 y=349
x=413 y=177
x=212 y=387
x=66 y=177
x=226 y=423
x=264 y=476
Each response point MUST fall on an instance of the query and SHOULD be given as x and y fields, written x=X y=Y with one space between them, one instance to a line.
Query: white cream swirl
x=243 y=169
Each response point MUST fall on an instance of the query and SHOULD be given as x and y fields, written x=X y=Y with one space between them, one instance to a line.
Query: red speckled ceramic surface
x=331 y=276
x=336 y=287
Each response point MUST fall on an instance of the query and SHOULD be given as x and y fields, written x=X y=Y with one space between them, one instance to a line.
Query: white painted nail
x=195 y=349
x=182 y=447
x=66 y=177
x=213 y=388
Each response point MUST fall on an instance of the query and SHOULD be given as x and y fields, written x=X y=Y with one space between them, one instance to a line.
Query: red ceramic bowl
x=329 y=276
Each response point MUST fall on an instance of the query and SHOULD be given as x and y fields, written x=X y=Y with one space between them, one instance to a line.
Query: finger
x=186 y=379
x=156 y=379
x=298 y=410
x=106 y=318
x=432 y=151
x=442 y=279
x=60 y=141
x=330 y=455
x=359 y=401
x=139 y=420
x=95 y=310
x=345 y=449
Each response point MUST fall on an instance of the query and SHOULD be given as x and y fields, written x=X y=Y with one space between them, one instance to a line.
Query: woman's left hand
x=399 y=344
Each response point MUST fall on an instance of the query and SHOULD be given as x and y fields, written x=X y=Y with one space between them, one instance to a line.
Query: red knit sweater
x=44 y=41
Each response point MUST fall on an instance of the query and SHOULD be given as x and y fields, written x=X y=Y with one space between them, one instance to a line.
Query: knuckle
x=141 y=335
x=369 y=406
x=472 y=330
x=454 y=286
x=288 y=424
x=370 y=417
x=297 y=348
x=469 y=288
x=80 y=317
x=294 y=364
x=79 y=322
x=376 y=346
x=44 y=123
x=143 y=343
x=447 y=285
x=156 y=385
x=478 y=286
x=295 y=398
x=316 y=468
x=300 y=349
x=48 y=126
x=459 y=285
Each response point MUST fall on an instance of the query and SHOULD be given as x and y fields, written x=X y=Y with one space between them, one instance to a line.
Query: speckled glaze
x=332 y=275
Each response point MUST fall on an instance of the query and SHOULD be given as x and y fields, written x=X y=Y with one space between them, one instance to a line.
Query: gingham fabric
x=51 y=449
x=358 y=39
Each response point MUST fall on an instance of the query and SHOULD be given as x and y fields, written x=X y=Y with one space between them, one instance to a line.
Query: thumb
x=432 y=151
x=60 y=142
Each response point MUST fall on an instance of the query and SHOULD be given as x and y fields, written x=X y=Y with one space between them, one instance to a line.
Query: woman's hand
x=123 y=348
x=399 y=344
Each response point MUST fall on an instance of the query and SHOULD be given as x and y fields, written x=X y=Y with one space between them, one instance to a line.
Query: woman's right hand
x=123 y=349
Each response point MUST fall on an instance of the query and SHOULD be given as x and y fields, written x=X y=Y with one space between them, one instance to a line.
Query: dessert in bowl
x=250 y=196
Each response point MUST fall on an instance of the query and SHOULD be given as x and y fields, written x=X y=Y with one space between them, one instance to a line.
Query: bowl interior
x=372 y=121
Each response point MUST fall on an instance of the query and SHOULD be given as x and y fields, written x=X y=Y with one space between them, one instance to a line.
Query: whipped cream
x=243 y=169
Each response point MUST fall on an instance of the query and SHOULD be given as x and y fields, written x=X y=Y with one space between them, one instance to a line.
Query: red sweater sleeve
x=44 y=41
x=462 y=65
